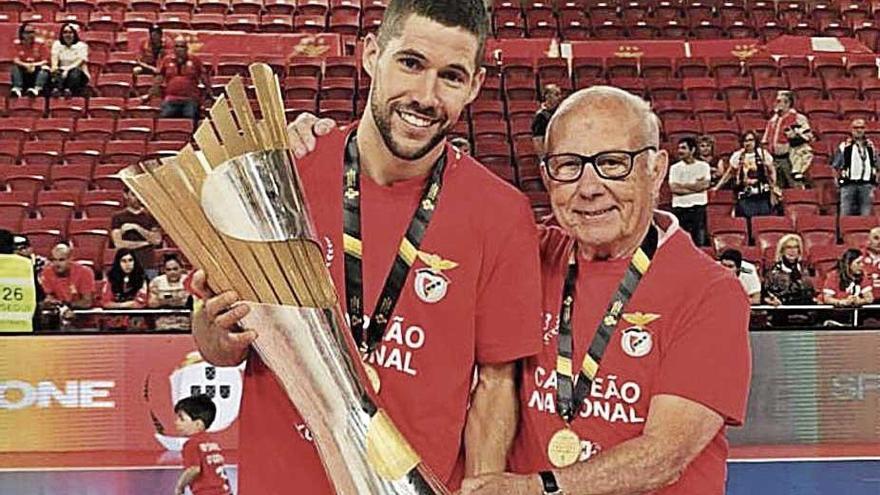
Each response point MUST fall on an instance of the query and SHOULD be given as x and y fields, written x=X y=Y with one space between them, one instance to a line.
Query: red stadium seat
x=854 y=230
x=806 y=88
x=824 y=257
x=26 y=108
x=71 y=177
x=129 y=152
x=173 y=130
x=145 y=6
x=762 y=66
x=57 y=204
x=766 y=231
x=710 y=109
x=829 y=67
x=700 y=88
x=622 y=67
x=664 y=89
x=798 y=202
x=856 y=109
x=337 y=88
x=175 y=19
x=673 y=109
x=728 y=232
x=843 y=89
x=816 y=230
x=41 y=152
x=53 y=129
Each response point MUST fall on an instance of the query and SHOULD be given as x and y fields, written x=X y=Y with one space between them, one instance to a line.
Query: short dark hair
x=21 y=29
x=155 y=28
x=75 y=29
x=470 y=15
x=691 y=142
x=198 y=407
x=732 y=255
x=7 y=242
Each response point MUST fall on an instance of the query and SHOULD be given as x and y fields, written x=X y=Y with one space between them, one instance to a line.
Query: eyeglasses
x=609 y=165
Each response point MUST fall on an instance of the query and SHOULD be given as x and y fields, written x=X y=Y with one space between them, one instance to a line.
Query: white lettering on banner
x=85 y=394
x=609 y=400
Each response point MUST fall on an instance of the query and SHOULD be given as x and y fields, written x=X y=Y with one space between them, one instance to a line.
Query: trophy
x=235 y=208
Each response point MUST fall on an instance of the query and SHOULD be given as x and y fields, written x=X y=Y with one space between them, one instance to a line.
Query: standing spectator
x=23 y=248
x=462 y=144
x=29 y=65
x=847 y=286
x=168 y=292
x=706 y=153
x=788 y=138
x=135 y=229
x=126 y=288
x=70 y=57
x=856 y=162
x=689 y=179
x=552 y=95
x=788 y=282
x=181 y=73
x=755 y=178
x=153 y=50
x=746 y=272
x=67 y=283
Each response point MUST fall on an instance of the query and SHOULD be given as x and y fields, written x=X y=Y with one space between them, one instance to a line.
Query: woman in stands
x=847 y=286
x=69 y=65
x=126 y=288
x=706 y=153
x=754 y=178
x=788 y=281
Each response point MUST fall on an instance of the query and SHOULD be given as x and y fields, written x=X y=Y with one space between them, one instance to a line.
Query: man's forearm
x=635 y=466
x=491 y=420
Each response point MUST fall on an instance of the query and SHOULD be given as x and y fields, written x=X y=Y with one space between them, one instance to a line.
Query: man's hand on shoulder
x=303 y=131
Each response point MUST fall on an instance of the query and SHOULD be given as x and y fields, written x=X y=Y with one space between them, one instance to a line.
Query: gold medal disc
x=373 y=377
x=564 y=448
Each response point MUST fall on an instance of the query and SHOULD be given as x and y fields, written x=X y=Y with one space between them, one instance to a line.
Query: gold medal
x=564 y=448
x=373 y=377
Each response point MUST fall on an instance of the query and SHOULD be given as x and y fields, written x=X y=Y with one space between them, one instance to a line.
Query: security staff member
x=18 y=288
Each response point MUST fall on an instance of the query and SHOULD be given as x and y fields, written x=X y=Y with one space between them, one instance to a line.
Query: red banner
x=269 y=45
x=804 y=45
x=107 y=393
x=526 y=48
x=628 y=49
x=741 y=48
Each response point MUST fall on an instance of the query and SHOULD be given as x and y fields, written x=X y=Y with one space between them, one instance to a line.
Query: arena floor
x=775 y=470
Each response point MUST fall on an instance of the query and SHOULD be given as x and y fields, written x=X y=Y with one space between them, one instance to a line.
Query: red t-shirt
x=79 y=280
x=202 y=451
x=36 y=52
x=181 y=81
x=696 y=347
x=831 y=287
x=489 y=314
x=871 y=266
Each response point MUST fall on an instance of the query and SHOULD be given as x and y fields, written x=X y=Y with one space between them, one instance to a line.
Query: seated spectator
x=856 y=162
x=69 y=66
x=847 y=286
x=552 y=97
x=168 y=292
x=746 y=272
x=788 y=282
x=871 y=259
x=23 y=248
x=135 y=229
x=706 y=153
x=462 y=144
x=126 y=288
x=29 y=72
x=153 y=50
x=180 y=73
x=751 y=168
x=689 y=179
x=67 y=283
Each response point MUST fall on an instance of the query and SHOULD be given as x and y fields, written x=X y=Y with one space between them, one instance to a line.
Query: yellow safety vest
x=18 y=294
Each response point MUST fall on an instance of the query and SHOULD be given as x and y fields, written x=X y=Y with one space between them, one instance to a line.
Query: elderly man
x=646 y=354
x=856 y=162
x=471 y=299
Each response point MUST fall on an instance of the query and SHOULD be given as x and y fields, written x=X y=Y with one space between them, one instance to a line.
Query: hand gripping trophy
x=236 y=210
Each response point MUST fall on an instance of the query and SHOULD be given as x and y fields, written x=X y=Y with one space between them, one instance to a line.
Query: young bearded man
x=472 y=296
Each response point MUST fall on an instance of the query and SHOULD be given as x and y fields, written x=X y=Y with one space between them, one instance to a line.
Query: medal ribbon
x=406 y=254
x=570 y=395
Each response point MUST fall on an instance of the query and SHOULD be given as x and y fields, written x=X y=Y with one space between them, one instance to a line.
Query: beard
x=382 y=118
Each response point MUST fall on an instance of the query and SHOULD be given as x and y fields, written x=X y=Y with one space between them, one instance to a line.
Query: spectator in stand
x=754 y=176
x=746 y=272
x=856 y=162
x=168 y=292
x=788 y=137
x=871 y=258
x=706 y=153
x=552 y=96
x=847 y=286
x=689 y=179
x=181 y=73
x=135 y=229
x=126 y=288
x=462 y=144
x=153 y=50
x=23 y=248
x=29 y=72
x=788 y=282
x=69 y=65
x=67 y=283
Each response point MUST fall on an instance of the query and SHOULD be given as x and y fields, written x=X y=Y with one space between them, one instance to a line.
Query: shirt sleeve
x=87 y=283
x=673 y=174
x=82 y=50
x=191 y=454
x=830 y=284
x=711 y=339
x=508 y=319
x=56 y=51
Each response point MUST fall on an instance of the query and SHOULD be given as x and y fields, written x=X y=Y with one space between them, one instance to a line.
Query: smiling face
x=68 y=34
x=606 y=216
x=422 y=79
x=791 y=251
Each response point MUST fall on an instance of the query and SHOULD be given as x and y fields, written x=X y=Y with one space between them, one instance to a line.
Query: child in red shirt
x=202 y=457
